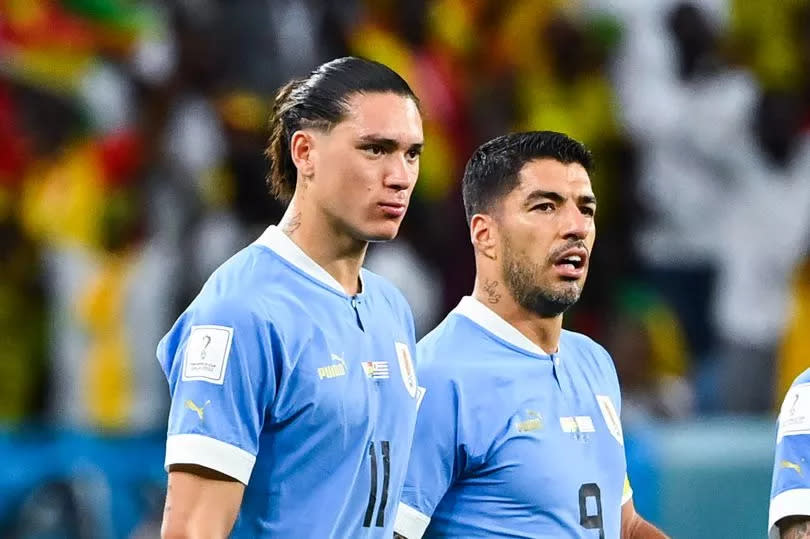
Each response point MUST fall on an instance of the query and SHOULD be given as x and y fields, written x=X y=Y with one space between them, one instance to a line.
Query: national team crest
x=612 y=420
x=406 y=367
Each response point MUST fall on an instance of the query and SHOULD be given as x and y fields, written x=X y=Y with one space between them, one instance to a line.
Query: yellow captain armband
x=627 y=491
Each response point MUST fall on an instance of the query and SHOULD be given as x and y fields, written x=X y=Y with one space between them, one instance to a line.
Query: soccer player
x=790 y=493
x=518 y=433
x=293 y=388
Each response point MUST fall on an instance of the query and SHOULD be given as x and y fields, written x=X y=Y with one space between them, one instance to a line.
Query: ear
x=302 y=145
x=484 y=235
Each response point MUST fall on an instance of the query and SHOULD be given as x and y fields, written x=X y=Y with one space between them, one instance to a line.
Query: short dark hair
x=321 y=101
x=492 y=171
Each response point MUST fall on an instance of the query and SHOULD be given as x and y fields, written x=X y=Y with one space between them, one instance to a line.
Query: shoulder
x=583 y=345
x=803 y=378
x=589 y=353
x=453 y=341
x=249 y=291
x=382 y=287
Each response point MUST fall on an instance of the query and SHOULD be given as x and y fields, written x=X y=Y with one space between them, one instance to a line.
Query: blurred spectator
x=682 y=103
x=763 y=240
x=131 y=165
x=648 y=348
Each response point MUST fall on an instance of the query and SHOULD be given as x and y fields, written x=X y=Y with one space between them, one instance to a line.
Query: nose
x=398 y=173
x=575 y=224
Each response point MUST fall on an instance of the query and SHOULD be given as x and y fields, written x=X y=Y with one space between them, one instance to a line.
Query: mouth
x=392 y=209
x=571 y=263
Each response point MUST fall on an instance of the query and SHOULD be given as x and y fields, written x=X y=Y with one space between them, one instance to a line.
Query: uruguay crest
x=406 y=368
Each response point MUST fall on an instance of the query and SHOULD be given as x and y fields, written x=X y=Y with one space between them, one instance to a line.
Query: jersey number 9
x=588 y=521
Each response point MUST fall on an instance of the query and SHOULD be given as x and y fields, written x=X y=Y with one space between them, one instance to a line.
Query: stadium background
x=131 y=138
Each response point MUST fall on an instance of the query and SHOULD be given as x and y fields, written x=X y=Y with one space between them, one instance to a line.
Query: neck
x=542 y=331
x=335 y=251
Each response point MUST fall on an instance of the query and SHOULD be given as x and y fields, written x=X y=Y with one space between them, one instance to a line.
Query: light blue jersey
x=511 y=441
x=790 y=491
x=303 y=393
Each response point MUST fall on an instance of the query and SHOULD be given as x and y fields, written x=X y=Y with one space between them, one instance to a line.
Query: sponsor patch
x=794 y=417
x=207 y=354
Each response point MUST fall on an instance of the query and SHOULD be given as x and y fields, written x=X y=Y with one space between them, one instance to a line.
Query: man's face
x=546 y=230
x=366 y=166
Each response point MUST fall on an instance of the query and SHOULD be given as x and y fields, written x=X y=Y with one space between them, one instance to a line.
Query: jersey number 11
x=385 y=449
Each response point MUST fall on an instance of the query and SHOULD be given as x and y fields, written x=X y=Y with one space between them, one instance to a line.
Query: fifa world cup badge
x=406 y=368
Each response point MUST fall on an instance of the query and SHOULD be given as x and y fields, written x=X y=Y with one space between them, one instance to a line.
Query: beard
x=522 y=277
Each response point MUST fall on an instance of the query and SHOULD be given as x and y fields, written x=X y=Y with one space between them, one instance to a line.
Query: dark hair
x=320 y=101
x=492 y=171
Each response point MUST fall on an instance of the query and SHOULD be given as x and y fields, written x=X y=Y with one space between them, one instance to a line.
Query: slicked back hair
x=492 y=171
x=321 y=101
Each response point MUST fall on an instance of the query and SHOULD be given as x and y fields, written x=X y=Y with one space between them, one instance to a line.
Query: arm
x=635 y=527
x=794 y=528
x=217 y=361
x=200 y=503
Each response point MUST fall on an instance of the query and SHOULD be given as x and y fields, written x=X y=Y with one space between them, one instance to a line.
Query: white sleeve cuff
x=209 y=453
x=794 y=502
x=410 y=522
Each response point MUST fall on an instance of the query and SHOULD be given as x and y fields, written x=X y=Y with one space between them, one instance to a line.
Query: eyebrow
x=388 y=144
x=557 y=197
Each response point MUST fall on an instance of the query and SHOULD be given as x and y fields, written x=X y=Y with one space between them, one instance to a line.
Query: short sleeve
x=219 y=362
x=435 y=460
x=790 y=489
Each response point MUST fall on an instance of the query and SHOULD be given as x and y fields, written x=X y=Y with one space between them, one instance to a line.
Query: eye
x=544 y=207
x=588 y=210
x=413 y=154
x=374 y=149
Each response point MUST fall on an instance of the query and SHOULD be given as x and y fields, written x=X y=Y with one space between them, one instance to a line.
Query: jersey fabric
x=511 y=441
x=790 y=489
x=305 y=394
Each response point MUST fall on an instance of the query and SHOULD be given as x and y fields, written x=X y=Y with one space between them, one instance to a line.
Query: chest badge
x=406 y=368
x=612 y=420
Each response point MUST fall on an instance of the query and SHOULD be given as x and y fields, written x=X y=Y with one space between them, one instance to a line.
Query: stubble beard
x=522 y=278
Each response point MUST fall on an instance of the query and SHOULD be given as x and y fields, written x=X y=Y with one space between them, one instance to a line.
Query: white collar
x=274 y=238
x=492 y=322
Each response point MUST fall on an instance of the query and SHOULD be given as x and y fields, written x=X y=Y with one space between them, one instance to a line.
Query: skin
x=797 y=527
x=517 y=246
x=346 y=175
x=353 y=186
x=550 y=210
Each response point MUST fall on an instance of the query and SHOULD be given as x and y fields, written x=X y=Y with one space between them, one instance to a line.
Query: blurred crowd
x=131 y=166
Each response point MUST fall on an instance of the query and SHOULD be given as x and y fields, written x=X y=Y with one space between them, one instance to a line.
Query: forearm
x=200 y=504
x=641 y=529
x=794 y=527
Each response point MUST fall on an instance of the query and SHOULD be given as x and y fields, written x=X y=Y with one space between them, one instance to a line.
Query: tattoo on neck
x=796 y=529
x=293 y=224
x=490 y=287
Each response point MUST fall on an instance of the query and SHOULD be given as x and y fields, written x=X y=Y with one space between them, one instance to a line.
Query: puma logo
x=200 y=410
x=792 y=466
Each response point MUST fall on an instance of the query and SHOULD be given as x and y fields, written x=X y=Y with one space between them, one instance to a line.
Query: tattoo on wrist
x=490 y=287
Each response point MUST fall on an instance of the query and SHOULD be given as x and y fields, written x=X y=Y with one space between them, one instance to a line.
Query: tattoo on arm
x=794 y=527
x=167 y=507
x=293 y=224
x=490 y=287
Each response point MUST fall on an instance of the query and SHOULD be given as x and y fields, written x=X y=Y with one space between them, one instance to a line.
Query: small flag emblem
x=376 y=370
